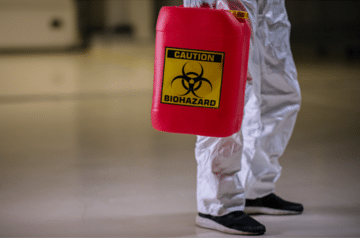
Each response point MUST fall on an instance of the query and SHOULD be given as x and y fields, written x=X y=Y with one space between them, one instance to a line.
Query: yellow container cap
x=239 y=14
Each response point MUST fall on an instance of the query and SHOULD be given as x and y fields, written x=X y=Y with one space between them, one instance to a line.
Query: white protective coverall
x=245 y=165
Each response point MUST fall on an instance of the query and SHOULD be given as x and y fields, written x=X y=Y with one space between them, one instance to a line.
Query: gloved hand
x=200 y=3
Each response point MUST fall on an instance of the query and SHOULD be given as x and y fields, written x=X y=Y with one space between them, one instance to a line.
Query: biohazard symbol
x=191 y=83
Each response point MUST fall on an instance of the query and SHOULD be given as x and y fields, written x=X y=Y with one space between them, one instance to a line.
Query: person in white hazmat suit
x=236 y=175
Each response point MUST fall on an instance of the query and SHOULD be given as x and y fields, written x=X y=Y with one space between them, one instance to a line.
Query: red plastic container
x=201 y=58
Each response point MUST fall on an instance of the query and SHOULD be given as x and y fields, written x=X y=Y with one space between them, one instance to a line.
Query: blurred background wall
x=328 y=28
x=38 y=24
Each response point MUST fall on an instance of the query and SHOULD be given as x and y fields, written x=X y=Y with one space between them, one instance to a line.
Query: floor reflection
x=78 y=155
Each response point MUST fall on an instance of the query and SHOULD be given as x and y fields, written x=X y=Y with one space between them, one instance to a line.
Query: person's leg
x=277 y=95
x=251 y=124
x=220 y=195
x=219 y=153
x=219 y=190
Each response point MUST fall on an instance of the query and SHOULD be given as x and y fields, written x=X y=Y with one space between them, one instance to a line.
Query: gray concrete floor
x=79 y=158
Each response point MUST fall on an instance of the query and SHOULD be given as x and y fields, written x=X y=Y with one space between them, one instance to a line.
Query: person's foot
x=272 y=205
x=234 y=223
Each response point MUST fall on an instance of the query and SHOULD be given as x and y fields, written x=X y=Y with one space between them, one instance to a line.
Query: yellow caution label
x=192 y=77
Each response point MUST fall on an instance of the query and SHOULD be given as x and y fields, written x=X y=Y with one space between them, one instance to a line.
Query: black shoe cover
x=272 y=205
x=234 y=223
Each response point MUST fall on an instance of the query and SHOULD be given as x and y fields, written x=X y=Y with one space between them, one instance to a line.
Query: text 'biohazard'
x=192 y=77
